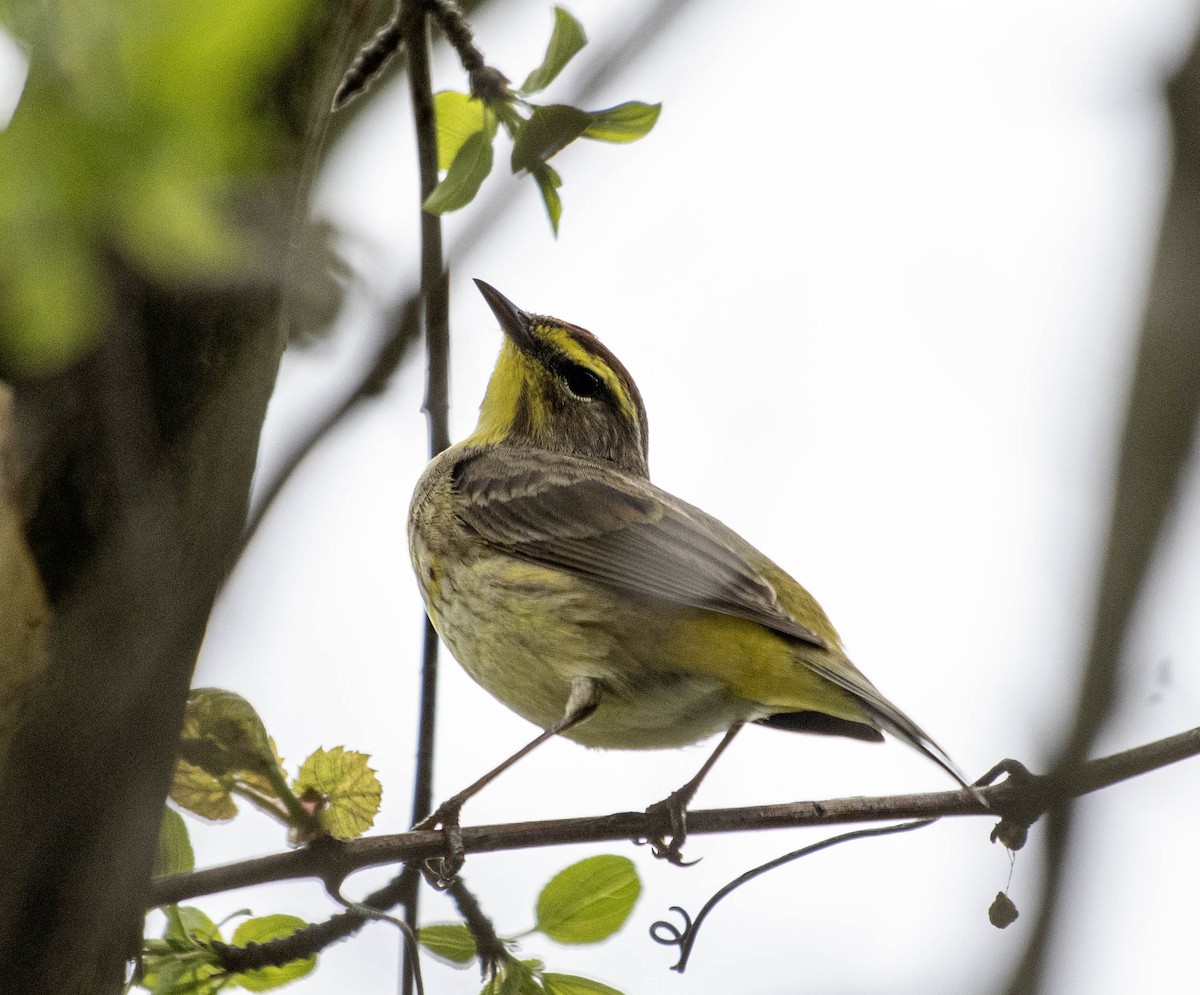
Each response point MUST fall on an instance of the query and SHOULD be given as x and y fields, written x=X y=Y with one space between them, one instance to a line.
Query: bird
x=599 y=606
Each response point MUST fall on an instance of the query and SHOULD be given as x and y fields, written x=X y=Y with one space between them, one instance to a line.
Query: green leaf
x=626 y=122
x=184 y=977
x=188 y=924
x=548 y=182
x=350 y=790
x=199 y=792
x=570 y=984
x=262 y=930
x=459 y=116
x=588 y=901
x=465 y=176
x=450 y=941
x=548 y=131
x=222 y=734
x=514 y=977
x=565 y=42
x=174 y=854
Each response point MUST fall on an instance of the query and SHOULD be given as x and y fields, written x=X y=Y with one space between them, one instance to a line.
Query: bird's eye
x=581 y=381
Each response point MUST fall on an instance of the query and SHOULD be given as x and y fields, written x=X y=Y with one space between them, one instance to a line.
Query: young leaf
x=548 y=131
x=199 y=792
x=350 y=788
x=450 y=941
x=588 y=901
x=188 y=924
x=548 y=182
x=458 y=116
x=261 y=930
x=180 y=976
x=222 y=734
x=626 y=122
x=514 y=977
x=565 y=42
x=570 y=984
x=174 y=854
x=466 y=174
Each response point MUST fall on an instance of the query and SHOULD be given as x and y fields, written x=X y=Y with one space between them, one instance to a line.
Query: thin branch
x=1020 y=799
x=435 y=295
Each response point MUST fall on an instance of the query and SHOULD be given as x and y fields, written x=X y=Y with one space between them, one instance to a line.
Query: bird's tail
x=890 y=719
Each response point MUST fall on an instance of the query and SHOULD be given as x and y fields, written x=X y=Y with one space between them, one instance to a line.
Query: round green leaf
x=450 y=941
x=350 y=788
x=588 y=901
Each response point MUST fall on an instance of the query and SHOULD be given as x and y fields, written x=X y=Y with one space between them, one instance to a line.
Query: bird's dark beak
x=514 y=322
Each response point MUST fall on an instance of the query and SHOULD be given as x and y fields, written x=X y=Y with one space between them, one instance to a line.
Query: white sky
x=877 y=272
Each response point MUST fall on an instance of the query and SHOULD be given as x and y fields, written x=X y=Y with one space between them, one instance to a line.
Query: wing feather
x=615 y=529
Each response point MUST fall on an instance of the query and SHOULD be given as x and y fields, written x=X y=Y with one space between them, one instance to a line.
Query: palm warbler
x=598 y=606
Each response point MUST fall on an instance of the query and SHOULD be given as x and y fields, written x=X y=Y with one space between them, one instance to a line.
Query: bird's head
x=556 y=387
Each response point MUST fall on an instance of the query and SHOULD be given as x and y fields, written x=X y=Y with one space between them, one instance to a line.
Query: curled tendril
x=670 y=935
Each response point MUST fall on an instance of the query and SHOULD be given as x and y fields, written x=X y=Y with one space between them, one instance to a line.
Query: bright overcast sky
x=877 y=272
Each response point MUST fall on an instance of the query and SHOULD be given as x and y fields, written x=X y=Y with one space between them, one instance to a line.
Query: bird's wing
x=617 y=530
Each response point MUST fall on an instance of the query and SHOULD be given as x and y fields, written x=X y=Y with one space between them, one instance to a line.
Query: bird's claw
x=440 y=871
x=675 y=809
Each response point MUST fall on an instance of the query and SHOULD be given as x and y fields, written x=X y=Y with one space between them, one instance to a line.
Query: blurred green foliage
x=141 y=127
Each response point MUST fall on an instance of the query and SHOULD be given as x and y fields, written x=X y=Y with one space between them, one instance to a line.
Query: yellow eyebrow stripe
x=563 y=341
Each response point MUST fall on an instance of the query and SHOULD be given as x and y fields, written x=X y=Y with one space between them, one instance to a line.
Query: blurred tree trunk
x=130 y=471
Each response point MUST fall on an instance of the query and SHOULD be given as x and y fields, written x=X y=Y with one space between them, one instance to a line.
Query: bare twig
x=435 y=295
x=1019 y=799
x=371 y=60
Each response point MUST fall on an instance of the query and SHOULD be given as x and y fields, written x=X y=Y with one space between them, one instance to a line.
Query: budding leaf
x=548 y=131
x=588 y=901
x=222 y=734
x=458 y=116
x=466 y=174
x=548 y=182
x=626 y=122
x=349 y=787
x=565 y=43
x=198 y=791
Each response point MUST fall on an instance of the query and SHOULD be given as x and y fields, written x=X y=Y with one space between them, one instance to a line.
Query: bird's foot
x=669 y=846
x=440 y=871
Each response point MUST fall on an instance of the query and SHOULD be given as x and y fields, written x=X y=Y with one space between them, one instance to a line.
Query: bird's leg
x=674 y=806
x=583 y=701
